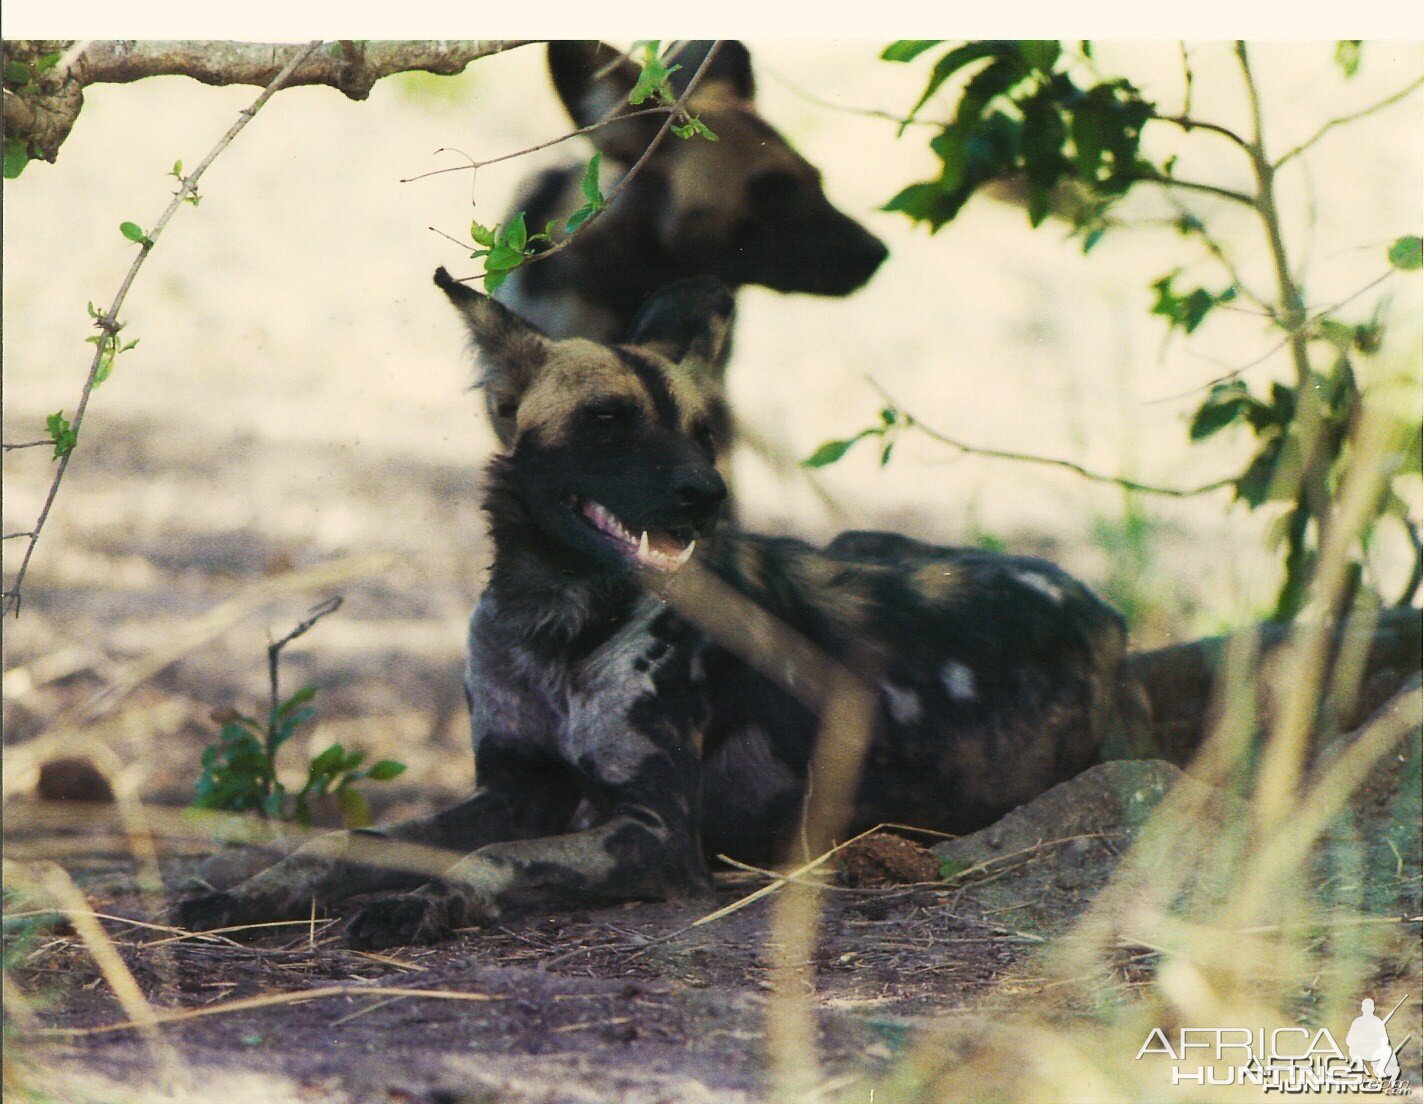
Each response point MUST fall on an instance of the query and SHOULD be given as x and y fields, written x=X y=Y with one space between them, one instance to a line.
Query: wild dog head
x=610 y=450
x=746 y=208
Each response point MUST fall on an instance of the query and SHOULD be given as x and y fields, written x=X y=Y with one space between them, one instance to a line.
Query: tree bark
x=41 y=109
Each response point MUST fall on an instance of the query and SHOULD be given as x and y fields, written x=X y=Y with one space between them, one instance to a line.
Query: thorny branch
x=108 y=322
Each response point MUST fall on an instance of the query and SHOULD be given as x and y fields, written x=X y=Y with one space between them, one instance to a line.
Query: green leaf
x=493 y=280
x=652 y=78
x=305 y=694
x=383 y=770
x=177 y=170
x=61 y=433
x=1039 y=54
x=1407 y=253
x=327 y=762
x=1226 y=404
x=46 y=62
x=17 y=156
x=133 y=231
x=515 y=234
x=581 y=216
x=907 y=49
x=592 y=194
x=832 y=451
x=950 y=64
x=17 y=73
x=503 y=258
x=482 y=235
x=1347 y=56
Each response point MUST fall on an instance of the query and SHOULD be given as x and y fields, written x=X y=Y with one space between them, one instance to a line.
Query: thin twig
x=27 y=444
x=1388 y=101
x=1188 y=123
x=108 y=322
x=1278 y=346
x=1048 y=461
x=475 y=165
x=274 y=661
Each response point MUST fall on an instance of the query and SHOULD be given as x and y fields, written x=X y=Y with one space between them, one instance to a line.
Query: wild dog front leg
x=521 y=800
x=649 y=847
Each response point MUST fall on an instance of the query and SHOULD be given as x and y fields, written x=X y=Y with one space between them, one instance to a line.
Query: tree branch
x=1048 y=461
x=108 y=321
x=1388 y=101
x=43 y=112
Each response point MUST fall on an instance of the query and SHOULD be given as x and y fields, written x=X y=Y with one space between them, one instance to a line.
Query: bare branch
x=44 y=112
x=27 y=444
x=1388 y=101
x=108 y=320
x=1049 y=461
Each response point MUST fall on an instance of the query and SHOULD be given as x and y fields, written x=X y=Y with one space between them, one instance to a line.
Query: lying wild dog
x=746 y=208
x=616 y=744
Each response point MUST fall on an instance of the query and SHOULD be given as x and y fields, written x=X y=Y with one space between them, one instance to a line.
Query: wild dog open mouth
x=656 y=548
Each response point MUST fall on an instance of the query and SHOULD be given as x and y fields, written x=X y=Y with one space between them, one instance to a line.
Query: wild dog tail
x=1166 y=695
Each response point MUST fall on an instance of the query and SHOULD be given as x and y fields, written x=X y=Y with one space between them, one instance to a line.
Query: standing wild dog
x=747 y=208
x=616 y=744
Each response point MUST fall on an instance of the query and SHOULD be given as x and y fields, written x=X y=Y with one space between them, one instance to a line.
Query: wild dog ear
x=594 y=80
x=731 y=66
x=511 y=350
x=687 y=322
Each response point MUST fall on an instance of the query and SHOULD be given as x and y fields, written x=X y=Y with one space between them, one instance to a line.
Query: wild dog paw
x=400 y=921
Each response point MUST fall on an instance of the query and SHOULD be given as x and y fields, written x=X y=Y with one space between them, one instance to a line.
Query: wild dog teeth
x=643 y=551
x=686 y=554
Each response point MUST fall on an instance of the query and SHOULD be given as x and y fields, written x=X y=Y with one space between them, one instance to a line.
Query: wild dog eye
x=705 y=436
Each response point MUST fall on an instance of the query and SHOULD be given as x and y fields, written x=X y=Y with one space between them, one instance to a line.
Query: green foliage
x=1407 y=253
x=951 y=868
x=176 y=172
x=1035 y=112
x=1186 y=311
x=61 y=433
x=508 y=245
x=1347 y=56
x=653 y=76
x=693 y=128
x=17 y=156
x=239 y=771
x=892 y=422
x=1021 y=112
x=134 y=232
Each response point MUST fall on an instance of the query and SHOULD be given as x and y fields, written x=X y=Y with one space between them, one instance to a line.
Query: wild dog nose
x=699 y=491
x=869 y=255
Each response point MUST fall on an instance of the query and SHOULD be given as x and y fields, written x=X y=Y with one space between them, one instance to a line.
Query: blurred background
x=299 y=392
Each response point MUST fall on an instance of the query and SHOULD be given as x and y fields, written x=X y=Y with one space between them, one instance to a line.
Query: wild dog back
x=997 y=678
x=746 y=208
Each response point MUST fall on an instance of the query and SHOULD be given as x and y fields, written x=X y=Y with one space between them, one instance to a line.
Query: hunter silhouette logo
x=1287 y=1059
x=1368 y=1041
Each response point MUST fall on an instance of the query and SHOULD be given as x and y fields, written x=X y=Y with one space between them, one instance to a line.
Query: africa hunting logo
x=1286 y=1059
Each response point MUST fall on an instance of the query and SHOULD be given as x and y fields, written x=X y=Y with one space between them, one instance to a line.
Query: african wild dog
x=746 y=208
x=617 y=745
